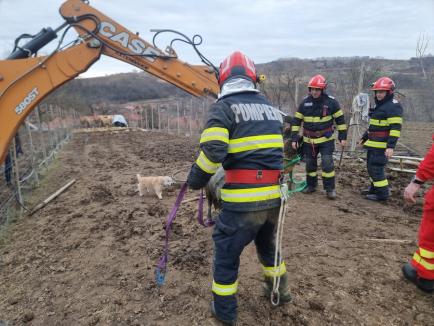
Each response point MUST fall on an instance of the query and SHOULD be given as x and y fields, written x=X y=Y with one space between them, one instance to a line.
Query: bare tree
x=272 y=88
x=292 y=82
x=421 y=47
x=356 y=78
x=281 y=88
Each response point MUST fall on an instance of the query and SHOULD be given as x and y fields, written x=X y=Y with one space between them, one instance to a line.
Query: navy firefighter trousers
x=328 y=170
x=376 y=161
x=234 y=231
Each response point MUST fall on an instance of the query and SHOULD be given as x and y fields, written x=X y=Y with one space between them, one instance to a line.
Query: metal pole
x=356 y=115
x=362 y=71
x=59 y=119
x=177 y=115
x=32 y=151
x=17 y=174
x=297 y=86
x=184 y=118
x=152 y=117
x=49 y=127
x=159 y=117
x=196 y=119
x=168 y=118
x=190 y=116
x=58 y=123
x=41 y=133
x=189 y=121
x=62 y=123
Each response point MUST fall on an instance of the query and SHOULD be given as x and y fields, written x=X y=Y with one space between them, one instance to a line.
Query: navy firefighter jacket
x=243 y=131
x=384 y=124
x=317 y=116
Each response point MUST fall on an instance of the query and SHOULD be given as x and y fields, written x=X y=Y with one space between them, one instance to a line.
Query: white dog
x=153 y=183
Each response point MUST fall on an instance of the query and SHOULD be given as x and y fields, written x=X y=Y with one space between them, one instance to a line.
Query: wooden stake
x=388 y=240
x=403 y=170
x=51 y=197
x=410 y=158
x=402 y=162
x=192 y=199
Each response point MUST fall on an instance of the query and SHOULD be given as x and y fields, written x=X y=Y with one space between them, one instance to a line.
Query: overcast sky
x=265 y=30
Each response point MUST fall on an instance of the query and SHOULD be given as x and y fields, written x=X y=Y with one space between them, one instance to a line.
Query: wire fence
x=34 y=146
x=48 y=127
x=175 y=116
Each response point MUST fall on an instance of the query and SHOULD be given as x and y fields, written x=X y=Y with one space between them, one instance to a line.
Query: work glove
x=197 y=178
x=364 y=138
x=328 y=134
x=288 y=119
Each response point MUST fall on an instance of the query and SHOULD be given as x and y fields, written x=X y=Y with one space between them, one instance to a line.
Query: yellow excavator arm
x=26 y=79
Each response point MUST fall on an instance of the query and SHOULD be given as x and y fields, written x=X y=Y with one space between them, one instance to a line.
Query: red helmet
x=383 y=84
x=317 y=81
x=237 y=64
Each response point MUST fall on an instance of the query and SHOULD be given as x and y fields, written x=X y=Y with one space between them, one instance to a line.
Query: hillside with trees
x=86 y=94
x=285 y=84
x=287 y=80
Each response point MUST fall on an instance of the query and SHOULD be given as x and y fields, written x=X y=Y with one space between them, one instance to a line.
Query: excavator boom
x=120 y=43
x=25 y=80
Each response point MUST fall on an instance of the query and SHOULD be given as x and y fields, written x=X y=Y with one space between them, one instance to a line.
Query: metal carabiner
x=275 y=298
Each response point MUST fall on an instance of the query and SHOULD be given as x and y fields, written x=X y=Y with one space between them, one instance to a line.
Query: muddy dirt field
x=417 y=136
x=89 y=256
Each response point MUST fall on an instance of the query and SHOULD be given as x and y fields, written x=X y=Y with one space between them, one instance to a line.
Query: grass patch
x=11 y=216
x=30 y=198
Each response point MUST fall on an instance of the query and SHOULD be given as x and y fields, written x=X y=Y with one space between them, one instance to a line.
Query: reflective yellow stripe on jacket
x=224 y=290
x=206 y=164
x=255 y=142
x=375 y=144
x=393 y=120
x=250 y=194
x=338 y=114
x=215 y=133
x=378 y=123
x=299 y=115
x=395 y=133
x=384 y=122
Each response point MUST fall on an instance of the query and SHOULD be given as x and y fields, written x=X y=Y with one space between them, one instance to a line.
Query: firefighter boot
x=308 y=190
x=221 y=320
x=331 y=194
x=284 y=294
x=375 y=197
x=410 y=274
x=367 y=191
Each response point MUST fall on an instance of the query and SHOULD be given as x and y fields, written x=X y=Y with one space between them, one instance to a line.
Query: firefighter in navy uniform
x=244 y=134
x=317 y=112
x=381 y=137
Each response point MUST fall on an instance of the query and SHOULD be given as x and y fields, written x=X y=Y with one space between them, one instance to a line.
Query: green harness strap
x=299 y=185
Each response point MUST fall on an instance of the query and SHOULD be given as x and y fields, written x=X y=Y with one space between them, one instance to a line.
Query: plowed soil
x=89 y=256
